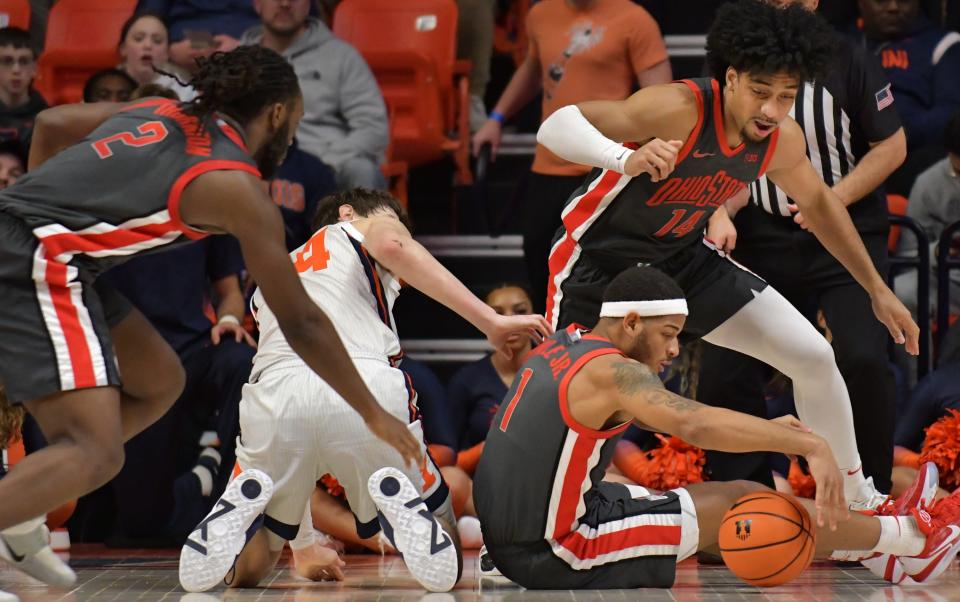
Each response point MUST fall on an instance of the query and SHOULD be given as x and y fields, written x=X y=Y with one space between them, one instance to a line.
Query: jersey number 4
x=147 y=133
x=314 y=256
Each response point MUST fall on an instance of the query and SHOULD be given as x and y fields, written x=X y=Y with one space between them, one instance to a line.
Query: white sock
x=471 y=538
x=25 y=527
x=206 y=479
x=900 y=536
x=854 y=485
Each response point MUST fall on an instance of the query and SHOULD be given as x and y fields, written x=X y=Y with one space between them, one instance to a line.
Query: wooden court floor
x=150 y=575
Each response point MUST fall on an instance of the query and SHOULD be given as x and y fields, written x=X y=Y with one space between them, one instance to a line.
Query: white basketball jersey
x=345 y=281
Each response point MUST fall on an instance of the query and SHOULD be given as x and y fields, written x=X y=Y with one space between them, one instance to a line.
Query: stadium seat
x=15 y=13
x=82 y=38
x=423 y=83
x=896 y=205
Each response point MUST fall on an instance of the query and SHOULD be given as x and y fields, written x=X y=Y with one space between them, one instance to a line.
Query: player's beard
x=272 y=154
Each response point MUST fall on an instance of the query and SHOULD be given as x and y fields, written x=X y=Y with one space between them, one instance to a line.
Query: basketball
x=767 y=539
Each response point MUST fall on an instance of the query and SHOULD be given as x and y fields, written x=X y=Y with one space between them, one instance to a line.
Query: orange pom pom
x=674 y=464
x=803 y=484
x=942 y=447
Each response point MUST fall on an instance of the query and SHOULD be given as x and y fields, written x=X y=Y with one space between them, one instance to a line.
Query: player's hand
x=798 y=218
x=721 y=231
x=490 y=133
x=396 y=434
x=505 y=329
x=657 y=158
x=226 y=43
x=318 y=563
x=896 y=317
x=229 y=329
x=831 y=503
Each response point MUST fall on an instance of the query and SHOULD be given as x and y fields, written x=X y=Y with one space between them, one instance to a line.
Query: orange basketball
x=767 y=538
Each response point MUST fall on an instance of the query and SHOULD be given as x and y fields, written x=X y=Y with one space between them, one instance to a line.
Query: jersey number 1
x=314 y=256
x=150 y=132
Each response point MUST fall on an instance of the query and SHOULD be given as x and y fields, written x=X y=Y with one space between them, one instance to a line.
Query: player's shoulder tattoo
x=634 y=377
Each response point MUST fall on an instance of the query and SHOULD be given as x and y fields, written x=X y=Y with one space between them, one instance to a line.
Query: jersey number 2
x=314 y=256
x=150 y=132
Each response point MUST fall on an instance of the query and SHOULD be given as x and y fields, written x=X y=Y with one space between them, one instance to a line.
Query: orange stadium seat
x=82 y=38
x=411 y=49
x=15 y=13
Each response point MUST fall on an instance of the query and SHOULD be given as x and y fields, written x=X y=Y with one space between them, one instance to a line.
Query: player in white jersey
x=295 y=428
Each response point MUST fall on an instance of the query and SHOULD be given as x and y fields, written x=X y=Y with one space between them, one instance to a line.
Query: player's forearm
x=830 y=222
x=879 y=162
x=725 y=430
x=408 y=260
x=523 y=87
x=230 y=298
x=59 y=127
x=314 y=339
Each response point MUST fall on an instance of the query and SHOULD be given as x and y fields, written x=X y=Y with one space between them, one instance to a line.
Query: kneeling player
x=295 y=428
x=548 y=520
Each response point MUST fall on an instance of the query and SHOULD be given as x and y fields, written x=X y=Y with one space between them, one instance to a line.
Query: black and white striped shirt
x=840 y=117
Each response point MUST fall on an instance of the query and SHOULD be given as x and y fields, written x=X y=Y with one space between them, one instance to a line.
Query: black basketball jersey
x=117 y=192
x=537 y=461
x=619 y=220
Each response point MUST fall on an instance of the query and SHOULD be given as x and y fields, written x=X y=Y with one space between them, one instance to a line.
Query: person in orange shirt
x=579 y=50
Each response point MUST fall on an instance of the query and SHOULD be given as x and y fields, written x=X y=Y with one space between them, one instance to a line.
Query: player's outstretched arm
x=58 y=127
x=639 y=391
x=233 y=202
x=830 y=222
x=391 y=244
x=590 y=133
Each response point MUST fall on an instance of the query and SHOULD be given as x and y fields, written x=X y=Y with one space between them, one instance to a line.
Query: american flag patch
x=884 y=98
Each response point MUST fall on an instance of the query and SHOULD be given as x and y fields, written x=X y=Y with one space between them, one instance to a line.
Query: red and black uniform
x=615 y=221
x=111 y=196
x=549 y=522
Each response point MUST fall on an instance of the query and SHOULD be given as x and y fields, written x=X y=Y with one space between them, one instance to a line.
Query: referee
x=854 y=140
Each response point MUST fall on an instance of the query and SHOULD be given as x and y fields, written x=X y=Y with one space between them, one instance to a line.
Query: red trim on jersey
x=576 y=474
x=176 y=191
x=565 y=404
x=584 y=209
x=233 y=135
x=771 y=149
x=695 y=132
x=81 y=360
x=719 y=126
x=642 y=535
x=75 y=242
x=152 y=102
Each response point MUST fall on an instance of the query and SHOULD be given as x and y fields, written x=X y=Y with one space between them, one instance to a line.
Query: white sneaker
x=36 y=558
x=870 y=498
x=8 y=597
x=428 y=551
x=213 y=546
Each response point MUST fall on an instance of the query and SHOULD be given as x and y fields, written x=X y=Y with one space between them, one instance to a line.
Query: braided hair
x=241 y=83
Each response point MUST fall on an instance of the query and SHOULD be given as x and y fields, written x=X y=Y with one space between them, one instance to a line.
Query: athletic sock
x=208 y=465
x=27 y=537
x=900 y=536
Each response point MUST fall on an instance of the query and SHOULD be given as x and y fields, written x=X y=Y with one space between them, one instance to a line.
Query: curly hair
x=11 y=420
x=642 y=283
x=753 y=36
x=241 y=83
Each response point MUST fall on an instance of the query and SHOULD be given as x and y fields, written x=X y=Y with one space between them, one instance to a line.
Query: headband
x=660 y=307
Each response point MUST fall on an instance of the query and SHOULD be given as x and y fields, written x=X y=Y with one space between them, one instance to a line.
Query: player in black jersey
x=705 y=140
x=108 y=181
x=549 y=520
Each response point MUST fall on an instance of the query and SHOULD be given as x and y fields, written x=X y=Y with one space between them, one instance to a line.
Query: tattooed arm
x=641 y=394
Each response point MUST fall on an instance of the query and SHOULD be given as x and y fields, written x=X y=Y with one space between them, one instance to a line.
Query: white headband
x=661 y=307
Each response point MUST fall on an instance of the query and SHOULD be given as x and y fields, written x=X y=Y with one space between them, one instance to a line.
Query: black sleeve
x=867 y=89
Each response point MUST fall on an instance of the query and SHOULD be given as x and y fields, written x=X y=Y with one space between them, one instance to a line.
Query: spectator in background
x=475 y=21
x=579 y=50
x=13 y=163
x=299 y=184
x=168 y=483
x=109 y=85
x=345 y=120
x=476 y=390
x=199 y=27
x=934 y=205
x=922 y=61
x=19 y=102
x=144 y=47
